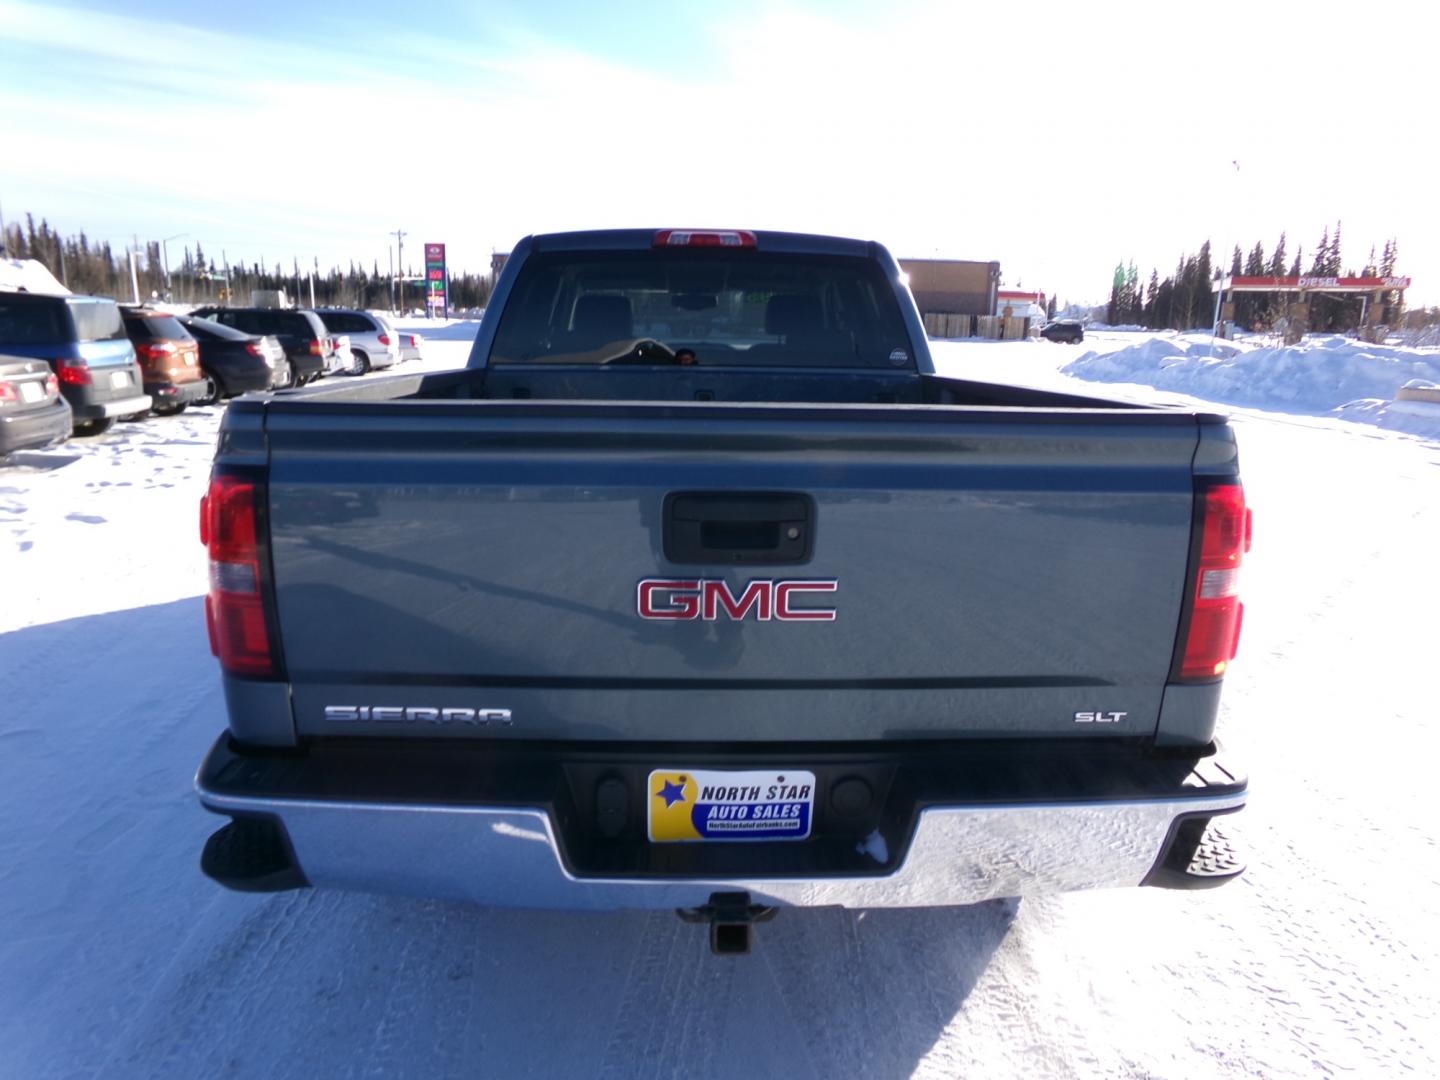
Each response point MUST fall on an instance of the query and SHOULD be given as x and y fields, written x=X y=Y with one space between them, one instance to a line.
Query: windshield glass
x=737 y=309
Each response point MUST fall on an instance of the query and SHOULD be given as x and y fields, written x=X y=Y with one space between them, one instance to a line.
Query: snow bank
x=1323 y=374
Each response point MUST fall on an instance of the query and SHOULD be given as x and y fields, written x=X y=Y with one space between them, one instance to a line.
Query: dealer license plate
x=32 y=391
x=119 y=379
x=701 y=804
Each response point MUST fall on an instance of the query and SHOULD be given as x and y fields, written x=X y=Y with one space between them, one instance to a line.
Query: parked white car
x=373 y=341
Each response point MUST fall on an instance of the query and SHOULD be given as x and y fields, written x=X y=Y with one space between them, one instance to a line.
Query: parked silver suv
x=373 y=341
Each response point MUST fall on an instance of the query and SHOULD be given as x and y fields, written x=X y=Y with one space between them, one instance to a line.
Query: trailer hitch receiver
x=731 y=916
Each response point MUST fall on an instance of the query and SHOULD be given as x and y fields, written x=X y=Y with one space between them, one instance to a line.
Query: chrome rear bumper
x=510 y=857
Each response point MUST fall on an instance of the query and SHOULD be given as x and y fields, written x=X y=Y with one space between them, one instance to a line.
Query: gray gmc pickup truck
x=699 y=588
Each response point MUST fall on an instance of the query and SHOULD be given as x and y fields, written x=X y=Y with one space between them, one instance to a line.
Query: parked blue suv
x=83 y=340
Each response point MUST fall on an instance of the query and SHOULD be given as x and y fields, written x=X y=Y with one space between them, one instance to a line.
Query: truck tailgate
x=995 y=571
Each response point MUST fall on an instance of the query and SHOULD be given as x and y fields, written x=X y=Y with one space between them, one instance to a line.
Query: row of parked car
x=76 y=364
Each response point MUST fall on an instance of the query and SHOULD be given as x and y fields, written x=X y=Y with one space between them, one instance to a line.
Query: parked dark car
x=32 y=412
x=1071 y=330
x=236 y=361
x=169 y=360
x=308 y=345
x=83 y=340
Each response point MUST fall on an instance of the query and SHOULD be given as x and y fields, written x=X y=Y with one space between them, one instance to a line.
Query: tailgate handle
x=733 y=527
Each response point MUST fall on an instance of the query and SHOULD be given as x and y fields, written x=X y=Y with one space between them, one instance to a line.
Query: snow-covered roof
x=29 y=275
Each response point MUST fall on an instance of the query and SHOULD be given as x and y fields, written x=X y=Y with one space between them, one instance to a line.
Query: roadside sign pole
x=437 y=282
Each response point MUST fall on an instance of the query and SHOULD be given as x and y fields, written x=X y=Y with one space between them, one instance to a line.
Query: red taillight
x=385 y=340
x=698 y=238
x=317 y=347
x=235 y=608
x=1213 y=634
x=74 y=372
x=154 y=350
x=254 y=349
x=8 y=393
x=52 y=386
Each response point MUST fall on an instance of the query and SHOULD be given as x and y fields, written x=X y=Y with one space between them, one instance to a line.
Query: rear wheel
x=84 y=429
x=169 y=410
x=215 y=394
x=361 y=364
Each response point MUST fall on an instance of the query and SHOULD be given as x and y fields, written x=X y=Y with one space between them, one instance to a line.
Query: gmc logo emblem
x=711 y=599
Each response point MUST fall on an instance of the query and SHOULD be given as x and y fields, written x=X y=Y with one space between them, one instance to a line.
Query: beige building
x=953 y=286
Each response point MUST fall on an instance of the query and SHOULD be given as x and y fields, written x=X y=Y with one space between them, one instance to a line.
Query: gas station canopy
x=1312 y=284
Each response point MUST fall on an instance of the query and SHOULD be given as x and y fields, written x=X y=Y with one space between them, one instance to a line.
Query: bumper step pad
x=251 y=855
x=1198 y=856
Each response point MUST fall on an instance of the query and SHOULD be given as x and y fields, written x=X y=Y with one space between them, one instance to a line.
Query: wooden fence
x=995 y=327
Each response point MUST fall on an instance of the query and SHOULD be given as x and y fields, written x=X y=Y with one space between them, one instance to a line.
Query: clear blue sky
x=1058 y=138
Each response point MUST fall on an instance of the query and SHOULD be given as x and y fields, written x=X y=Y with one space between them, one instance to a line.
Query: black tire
x=217 y=391
x=170 y=410
x=85 y=429
x=362 y=363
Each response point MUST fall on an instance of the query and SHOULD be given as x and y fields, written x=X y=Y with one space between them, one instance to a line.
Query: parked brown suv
x=169 y=360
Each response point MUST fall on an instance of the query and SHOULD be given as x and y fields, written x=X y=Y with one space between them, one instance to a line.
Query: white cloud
x=1054 y=138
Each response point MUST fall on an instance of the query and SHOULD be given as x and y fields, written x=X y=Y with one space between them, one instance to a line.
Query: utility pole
x=399 y=235
x=392 y=279
x=134 y=280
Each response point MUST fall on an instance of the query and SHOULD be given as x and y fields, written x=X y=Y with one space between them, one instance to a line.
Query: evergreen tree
x=1394 y=300
x=1250 y=307
x=1204 y=288
x=1277 y=259
x=1322 y=255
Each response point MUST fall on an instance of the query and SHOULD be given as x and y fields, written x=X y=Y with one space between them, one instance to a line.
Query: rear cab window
x=732 y=308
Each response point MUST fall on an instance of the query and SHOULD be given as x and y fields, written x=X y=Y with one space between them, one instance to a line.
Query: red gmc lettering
x=757 y=594
x=679 y=597
x=786 y=589
x=712 y=599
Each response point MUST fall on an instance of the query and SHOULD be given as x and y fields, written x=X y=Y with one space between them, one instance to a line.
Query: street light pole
x=165 y=259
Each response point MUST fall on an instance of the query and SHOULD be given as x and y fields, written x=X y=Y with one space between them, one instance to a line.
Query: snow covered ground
x=118 y=959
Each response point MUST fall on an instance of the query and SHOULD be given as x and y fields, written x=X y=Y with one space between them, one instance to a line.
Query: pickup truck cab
x=699 y=588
